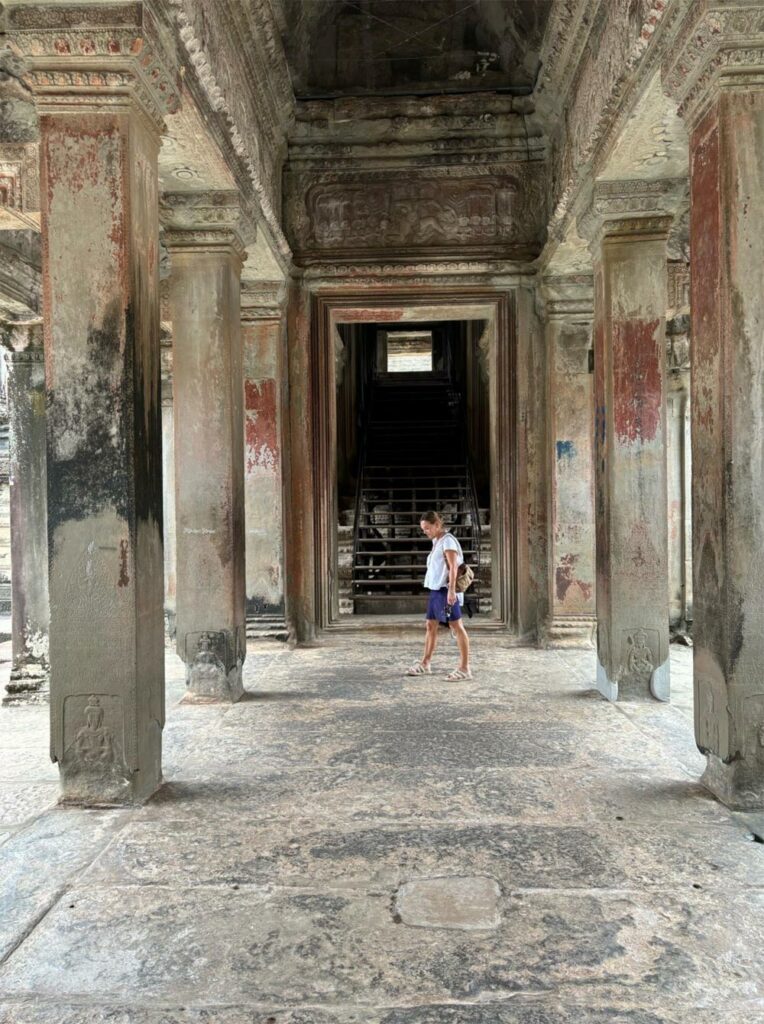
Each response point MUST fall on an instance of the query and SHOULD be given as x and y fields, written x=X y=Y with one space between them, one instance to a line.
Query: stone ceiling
x=412 y=47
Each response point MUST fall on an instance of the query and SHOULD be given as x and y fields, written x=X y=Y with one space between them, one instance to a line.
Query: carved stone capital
x=720 y=46
x=262 y=300
x=22 y=340
x=620 y=208
x=204 y=220
x=567 y=297
x=84 y=56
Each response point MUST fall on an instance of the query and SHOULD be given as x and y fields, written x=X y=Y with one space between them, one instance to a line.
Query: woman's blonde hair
x=434 y=518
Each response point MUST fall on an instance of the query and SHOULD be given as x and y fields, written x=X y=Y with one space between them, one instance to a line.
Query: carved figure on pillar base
x=94 y=752
x=638 y=672
x=214 y=661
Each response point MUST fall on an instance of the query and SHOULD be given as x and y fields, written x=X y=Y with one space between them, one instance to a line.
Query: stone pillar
x=263 y=336
x=630 y=300
x=567 y=307
x=206 y=251
x=679 y=465
x=101 y=88
x=28 y=511
x=718 y=80
x=168 y=490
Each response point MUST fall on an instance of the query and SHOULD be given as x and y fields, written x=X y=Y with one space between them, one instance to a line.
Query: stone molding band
x=28 y=355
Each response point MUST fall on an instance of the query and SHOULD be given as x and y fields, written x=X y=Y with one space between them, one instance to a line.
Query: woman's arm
x=453 y=568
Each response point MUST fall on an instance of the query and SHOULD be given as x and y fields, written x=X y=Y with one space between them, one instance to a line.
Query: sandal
x=418 y=669
x=458 y=674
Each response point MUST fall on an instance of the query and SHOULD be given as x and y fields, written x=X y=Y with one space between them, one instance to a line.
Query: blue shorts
x=436 y=607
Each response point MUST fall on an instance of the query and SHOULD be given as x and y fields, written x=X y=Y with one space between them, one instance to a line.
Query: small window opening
x=409 y=352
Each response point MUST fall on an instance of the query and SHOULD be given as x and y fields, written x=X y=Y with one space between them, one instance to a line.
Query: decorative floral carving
x=716 y=42
x=121 y=50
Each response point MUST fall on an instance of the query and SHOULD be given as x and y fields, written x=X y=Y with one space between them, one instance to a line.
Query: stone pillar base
x=654 y=686
x=735 y=784
x=29 y=685
x=573 y=632
x=215 y=672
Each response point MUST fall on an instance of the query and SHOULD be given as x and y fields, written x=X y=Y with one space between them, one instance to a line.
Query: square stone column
x=718 y=80
x=206 y=251
x=30 y=611
x=102 y=87
x=630 y=301
x=168 y=489
x=567 y=305
x=263 y=326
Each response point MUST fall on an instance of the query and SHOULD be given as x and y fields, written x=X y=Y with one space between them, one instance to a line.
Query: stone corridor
x=346 y=844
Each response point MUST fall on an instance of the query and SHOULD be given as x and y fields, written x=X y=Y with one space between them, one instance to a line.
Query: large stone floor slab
x=348 y=846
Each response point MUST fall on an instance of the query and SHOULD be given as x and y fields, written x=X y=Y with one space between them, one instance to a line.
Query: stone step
x=267 y=628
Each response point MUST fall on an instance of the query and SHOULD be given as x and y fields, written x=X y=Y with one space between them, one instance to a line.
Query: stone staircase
x=481 y=590
x=265 y=627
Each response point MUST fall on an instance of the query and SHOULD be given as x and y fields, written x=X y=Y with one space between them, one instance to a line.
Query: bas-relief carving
x=207 y=672
x=94 y=735
x=211 y=656
x=467 y=210
x=712 y=718
x=412 y=214
x=640 y=656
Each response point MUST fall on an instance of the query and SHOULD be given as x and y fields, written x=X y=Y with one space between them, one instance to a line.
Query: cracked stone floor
x=348 y=845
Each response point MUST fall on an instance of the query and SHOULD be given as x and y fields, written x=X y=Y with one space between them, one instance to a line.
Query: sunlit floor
x=347 y=844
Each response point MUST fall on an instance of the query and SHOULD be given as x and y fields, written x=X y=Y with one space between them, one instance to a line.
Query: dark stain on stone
x=117 y=460
x=124 y=578
x=95 y=476
x=147 y=417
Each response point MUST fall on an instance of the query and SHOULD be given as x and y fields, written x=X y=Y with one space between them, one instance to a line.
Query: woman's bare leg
x=430 y=640
x=464 y=644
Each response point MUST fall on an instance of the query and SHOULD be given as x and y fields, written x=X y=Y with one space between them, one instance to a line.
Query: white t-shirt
x=437 y=566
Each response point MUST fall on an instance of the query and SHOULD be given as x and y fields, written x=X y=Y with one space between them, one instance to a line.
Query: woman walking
x=445 y=605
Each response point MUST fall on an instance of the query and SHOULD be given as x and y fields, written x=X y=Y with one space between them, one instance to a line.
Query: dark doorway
x=413 y=433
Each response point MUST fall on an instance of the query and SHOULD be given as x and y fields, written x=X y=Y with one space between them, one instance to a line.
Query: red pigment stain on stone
x=124 y=579
x=637 y=382
x=564 y=575
x=565 y=579
x=261 y=424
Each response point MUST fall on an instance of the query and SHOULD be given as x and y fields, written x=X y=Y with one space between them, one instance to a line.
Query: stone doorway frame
x=499 y=309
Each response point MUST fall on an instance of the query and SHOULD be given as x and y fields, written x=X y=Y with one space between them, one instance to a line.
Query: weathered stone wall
x=571 y=410
x=263 y=459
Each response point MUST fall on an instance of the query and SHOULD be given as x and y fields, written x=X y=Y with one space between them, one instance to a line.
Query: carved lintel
x=720 y=45
x=84 y=56
x=488 y=211
x=205 y=220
